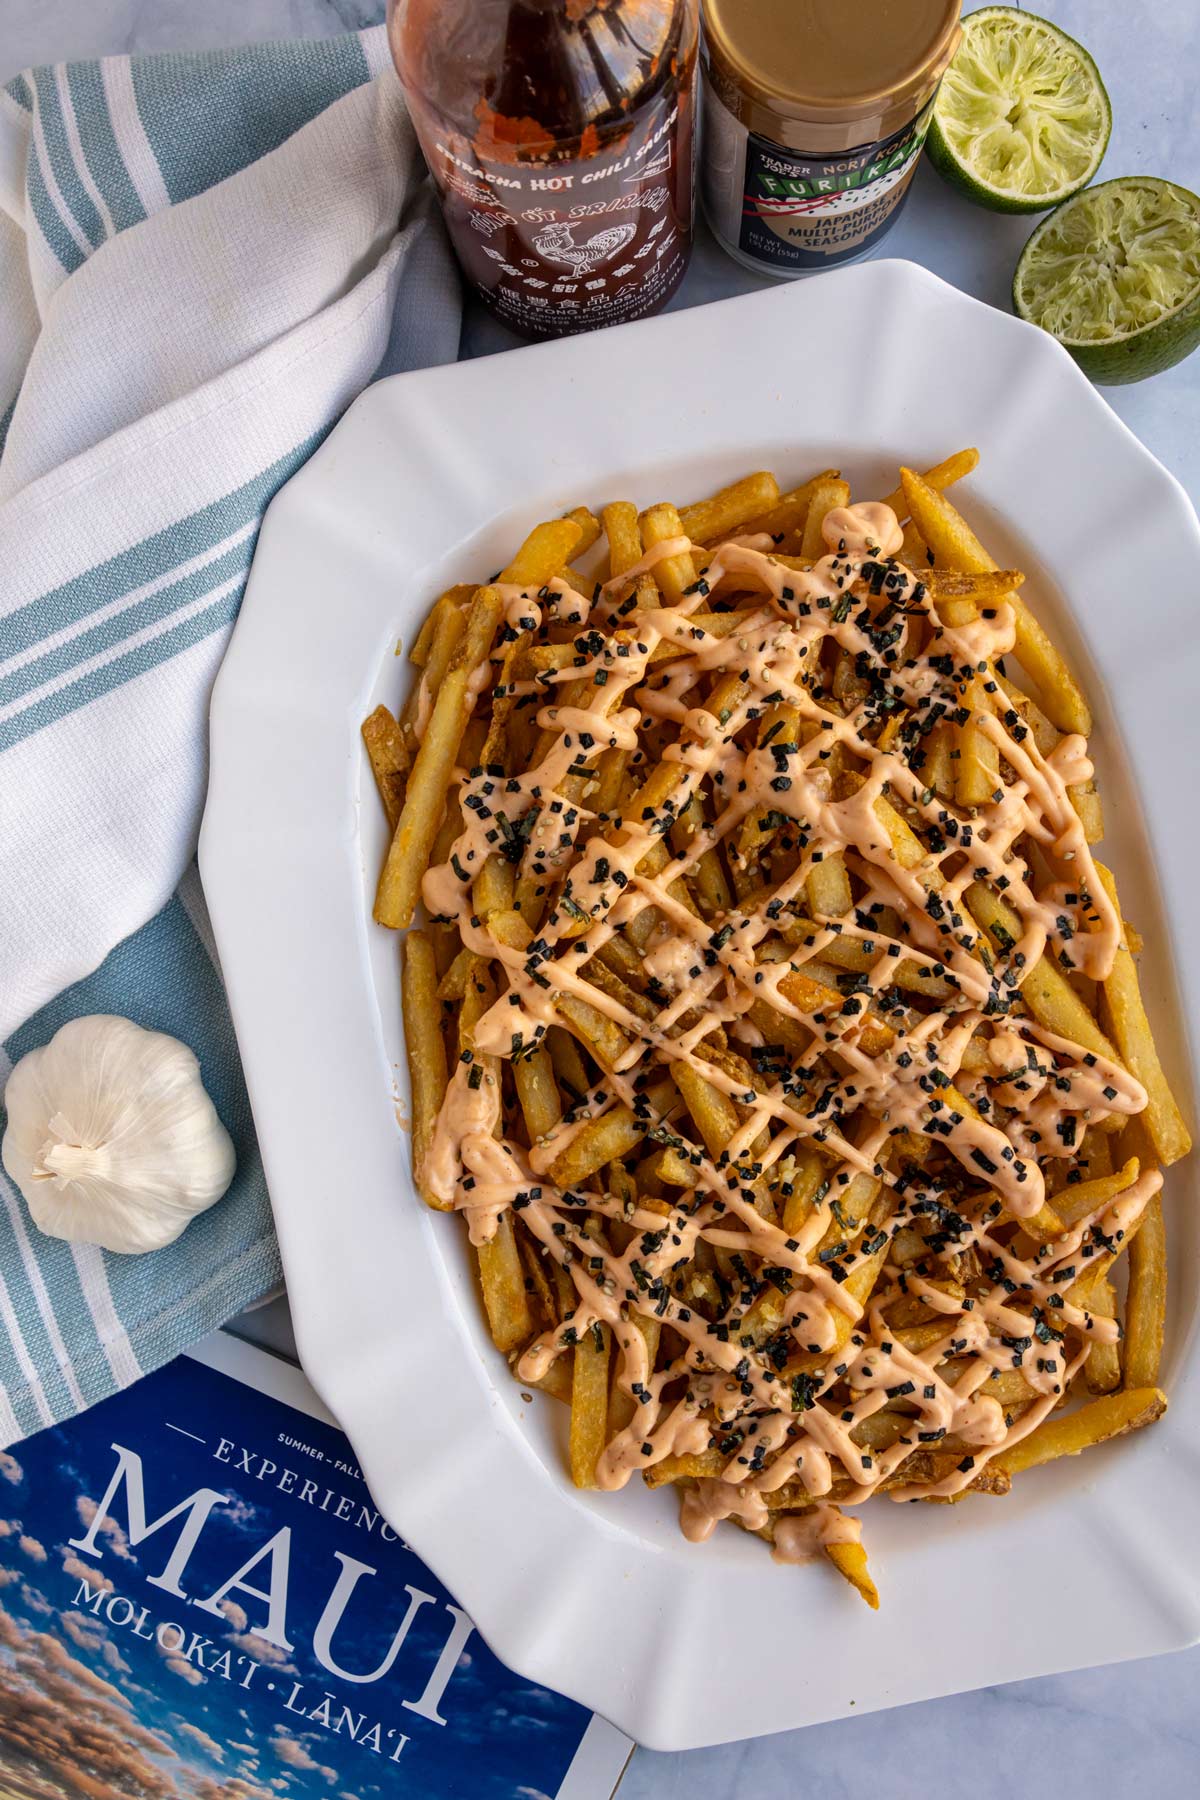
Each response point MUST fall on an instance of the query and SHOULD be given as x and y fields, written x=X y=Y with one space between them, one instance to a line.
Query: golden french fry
x=426 y=1048
x=589 y=529
x=625 y=549
x=1103 y=1369
x=941 y=476
x=1045 y=989
x=914 y=551
x=447 y=623
x=1077 y=1200
x=1087 y=803
x=558 y=1381
x=503 y=1281
x=495 y=887
x=683 y=641
x=1068 y=1434
x=714 y=1114
x=790 y=510
x=400 y=880
x=610 y=1138
x=452 y=601
x=729 y=510
x=589 y=1403
x=674 y=574
x=1131 y=1028
x=826 y=495
x=954 y=544
x=850 y=1560
x=799 y=1185
x=453 y=984
x=422 y=641
x=829 y=888
x=569 y=1071
x=624 y=535
x=1146 y=1301
x=545 y=551
x=977 y=773
x=389 y=760
x=621 y=1408
x=986 y=587
x=537 y=1092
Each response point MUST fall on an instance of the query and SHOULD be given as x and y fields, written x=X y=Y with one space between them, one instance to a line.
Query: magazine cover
x=199 y=1599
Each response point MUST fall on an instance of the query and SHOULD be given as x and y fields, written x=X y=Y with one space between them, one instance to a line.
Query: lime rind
x=1022 y=119
x=1114 y=275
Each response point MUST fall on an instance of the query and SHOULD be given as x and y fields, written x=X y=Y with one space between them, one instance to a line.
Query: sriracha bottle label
x=583 y=216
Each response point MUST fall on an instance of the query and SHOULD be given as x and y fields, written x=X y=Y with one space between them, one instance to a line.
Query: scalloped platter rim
x=429 y=478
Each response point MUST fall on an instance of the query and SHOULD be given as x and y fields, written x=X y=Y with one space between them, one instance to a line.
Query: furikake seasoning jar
x=815 y=114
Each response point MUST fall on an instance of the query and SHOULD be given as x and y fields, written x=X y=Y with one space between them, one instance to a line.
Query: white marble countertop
x=1105 y=1732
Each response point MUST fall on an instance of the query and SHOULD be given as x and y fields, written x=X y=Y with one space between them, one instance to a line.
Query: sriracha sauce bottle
x=560 y=134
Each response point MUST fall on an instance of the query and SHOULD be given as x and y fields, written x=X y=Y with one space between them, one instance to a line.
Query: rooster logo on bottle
x=557 y=244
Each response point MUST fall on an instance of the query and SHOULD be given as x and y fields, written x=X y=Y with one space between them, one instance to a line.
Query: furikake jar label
x=789 y=210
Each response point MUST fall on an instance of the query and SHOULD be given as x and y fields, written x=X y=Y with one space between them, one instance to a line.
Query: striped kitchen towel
x=203 y=258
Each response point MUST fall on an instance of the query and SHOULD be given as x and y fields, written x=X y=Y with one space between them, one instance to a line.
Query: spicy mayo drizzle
x=854 y=1071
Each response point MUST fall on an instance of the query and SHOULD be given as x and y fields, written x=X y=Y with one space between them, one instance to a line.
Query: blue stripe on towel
x=34 y=1336
x=6 y=420
x=101 y=681
x=52 y=228
x=149 y=560
x=208 y=115
x=100 y=147
x=153 y=609
x=62 y=161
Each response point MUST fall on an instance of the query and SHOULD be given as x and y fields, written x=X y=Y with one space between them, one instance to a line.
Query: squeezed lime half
x=1022 y=118
x=1114 y=275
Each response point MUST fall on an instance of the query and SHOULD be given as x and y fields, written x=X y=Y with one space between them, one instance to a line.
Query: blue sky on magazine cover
x=106 y=1699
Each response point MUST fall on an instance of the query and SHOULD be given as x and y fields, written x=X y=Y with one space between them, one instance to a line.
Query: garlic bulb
x=111 y=1137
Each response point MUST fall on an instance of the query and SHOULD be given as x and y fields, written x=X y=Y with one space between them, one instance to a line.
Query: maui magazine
x=199 y=1599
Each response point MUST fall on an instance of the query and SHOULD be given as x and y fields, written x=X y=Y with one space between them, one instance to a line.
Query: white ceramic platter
x=430 y=479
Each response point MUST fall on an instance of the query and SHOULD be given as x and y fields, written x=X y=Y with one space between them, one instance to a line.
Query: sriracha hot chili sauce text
x=560 y=135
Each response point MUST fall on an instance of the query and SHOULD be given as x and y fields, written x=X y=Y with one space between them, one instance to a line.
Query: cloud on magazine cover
x=199 y=1736
x=115 y=1539
x=30 y=1547
x=10 y=1469
x=65 y=1730
x=295 y=1753
x=87 y=1635
x=239 y=1513
x=79 y=1570
x=262 y=1649
x=232 y=1788
x=179 y=1665
x=69 y=1733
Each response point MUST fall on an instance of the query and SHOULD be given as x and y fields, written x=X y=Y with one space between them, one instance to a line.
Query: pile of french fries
x=630 y=1129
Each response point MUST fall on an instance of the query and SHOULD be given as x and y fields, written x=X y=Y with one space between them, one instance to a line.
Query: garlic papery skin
x=112 y=1138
